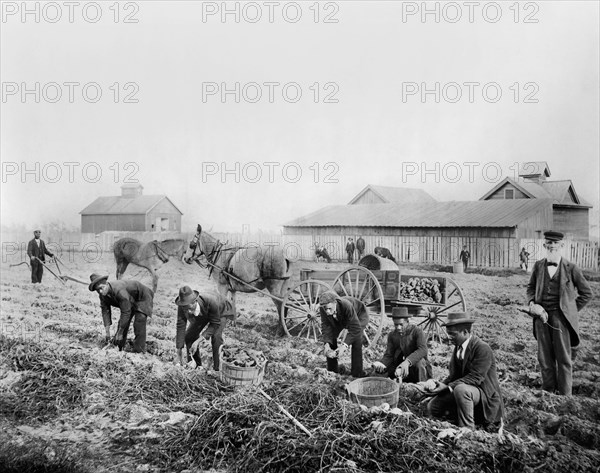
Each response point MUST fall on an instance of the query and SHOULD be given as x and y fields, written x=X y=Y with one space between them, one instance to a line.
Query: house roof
x=489 y=213
x=141 y=204
x=561 y=192
x=395 y=194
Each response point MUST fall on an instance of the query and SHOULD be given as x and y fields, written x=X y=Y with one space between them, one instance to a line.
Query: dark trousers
x=350 y=258
x=37 y=269
x=465 y=264
x=462 y=405
x=139 y=330
x=356 y=357
x=214 y=331
x=554 y=353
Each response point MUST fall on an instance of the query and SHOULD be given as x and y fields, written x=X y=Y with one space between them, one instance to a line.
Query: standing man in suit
x=350 y=250
x=557 y=291
x=471 y=393
x=36 y=249
x=465 y=256
x=134 y=300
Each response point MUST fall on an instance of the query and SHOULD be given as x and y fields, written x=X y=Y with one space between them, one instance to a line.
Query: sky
x=248 y=115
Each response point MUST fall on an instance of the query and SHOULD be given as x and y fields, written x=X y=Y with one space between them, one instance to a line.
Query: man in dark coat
x=200 y=311
x=36 y=249
x=350 y=250
x=465 y=256
x=471 y=392
x=557 y=291
x=134 y=300
x=339 y=313
x=360 y=247
x=406 y=353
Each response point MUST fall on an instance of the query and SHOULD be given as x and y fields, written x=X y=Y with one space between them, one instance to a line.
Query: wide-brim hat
x=400 y=313
x=186 y=296
x=96 y=279
x=457 y=318
x=553 y=236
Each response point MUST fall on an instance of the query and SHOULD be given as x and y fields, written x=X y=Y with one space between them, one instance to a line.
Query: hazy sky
x=301 y=113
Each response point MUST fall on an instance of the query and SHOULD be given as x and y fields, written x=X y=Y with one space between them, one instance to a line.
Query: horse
x=241 y=269
x=321 y=252
x=384 y=253
x=149 y=255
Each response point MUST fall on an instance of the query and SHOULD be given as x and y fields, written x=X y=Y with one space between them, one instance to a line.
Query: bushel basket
x=374 y=391
x=241 y=375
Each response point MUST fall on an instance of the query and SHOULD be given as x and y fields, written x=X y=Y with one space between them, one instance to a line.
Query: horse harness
x=214 y=256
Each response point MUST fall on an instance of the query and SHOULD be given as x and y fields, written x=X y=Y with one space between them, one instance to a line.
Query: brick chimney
x=131 y=191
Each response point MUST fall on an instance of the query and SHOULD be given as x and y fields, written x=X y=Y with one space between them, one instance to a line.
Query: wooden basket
x=374 y=391
x=241 y=375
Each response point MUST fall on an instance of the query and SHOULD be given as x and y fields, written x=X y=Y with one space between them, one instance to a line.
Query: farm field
x=67 y=403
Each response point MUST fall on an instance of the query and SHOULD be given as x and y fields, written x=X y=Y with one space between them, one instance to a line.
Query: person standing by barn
x=557 y=291
x=339 y=313
x=465 y=256
x=524 y=257
x=134 y=300
x=36 y=249
x=360 y=247
x=350 y=250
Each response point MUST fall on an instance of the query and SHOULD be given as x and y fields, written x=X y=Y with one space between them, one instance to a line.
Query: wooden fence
x=485 y=252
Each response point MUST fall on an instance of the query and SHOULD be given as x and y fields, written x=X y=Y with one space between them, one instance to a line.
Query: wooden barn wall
x=499 y=194
x=103 y=223
x=488 y=247
x=536 y=225
x=369 y=197
x=572 y=222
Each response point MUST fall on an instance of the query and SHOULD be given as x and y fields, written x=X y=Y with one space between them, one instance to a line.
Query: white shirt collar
x=464 y=347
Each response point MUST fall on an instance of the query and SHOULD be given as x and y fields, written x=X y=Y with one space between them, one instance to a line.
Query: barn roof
x=116 y=205
x=489 y=213
x=561 y=192
x=395 y=194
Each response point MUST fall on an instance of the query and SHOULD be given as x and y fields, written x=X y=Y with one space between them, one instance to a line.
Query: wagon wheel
x=434 y=315
x=299 y=315
x=361 y=283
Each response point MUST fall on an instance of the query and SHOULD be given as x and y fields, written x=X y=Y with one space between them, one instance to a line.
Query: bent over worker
x=200 y=311
x=339 y=313
x=135 y=302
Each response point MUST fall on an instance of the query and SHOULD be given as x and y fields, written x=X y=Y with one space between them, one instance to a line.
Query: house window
x=509 y=193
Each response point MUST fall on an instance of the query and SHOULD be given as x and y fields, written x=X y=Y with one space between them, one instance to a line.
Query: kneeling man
x=471 y=393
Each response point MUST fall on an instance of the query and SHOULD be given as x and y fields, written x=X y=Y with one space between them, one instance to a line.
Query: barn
x=131 y=211
x=569 y=211
x=426 y=232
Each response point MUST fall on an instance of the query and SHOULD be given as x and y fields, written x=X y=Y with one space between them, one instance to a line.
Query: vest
x=551 y=291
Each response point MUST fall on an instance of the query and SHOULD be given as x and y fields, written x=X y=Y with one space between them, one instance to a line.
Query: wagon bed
x=379 y=289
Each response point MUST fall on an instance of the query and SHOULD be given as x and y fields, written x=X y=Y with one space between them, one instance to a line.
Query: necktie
x=459 y=353
x=548 y=263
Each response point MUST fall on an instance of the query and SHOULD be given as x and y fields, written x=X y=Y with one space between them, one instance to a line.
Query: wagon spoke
x=444 y=309
x=299 y=315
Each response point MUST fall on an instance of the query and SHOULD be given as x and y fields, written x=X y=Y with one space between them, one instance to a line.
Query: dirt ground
x=117 y=402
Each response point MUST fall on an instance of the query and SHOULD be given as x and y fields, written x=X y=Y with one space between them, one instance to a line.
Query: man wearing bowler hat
x=406 y=353
x=200 y=311
x=557 y=291
x=36 y=249
x=135 y=302
x=339 y=313
x=471 y=393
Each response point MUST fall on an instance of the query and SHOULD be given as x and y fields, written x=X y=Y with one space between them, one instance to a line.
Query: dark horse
x=384 y=253
x=149 y=255
x=241 y=269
